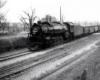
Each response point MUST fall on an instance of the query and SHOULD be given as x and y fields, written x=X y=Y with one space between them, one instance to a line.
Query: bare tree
x=29 y=19
x=3 y=24
x=2 y=4
x=23 y=22
x=2 y=15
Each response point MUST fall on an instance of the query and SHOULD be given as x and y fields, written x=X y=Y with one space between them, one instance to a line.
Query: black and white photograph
x=49 y=39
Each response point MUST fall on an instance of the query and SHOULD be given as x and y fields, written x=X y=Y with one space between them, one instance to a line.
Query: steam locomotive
x=43 y=34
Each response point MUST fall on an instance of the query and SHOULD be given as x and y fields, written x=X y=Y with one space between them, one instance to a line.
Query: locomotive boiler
x=44 y=34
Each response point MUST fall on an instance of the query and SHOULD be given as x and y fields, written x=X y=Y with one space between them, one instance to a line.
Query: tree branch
x=27 y=14
x=31 y=17
x=2 y=3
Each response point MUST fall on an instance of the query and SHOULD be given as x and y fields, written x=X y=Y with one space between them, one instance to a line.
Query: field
x=12 y=39
x=11 y=30
x=12 y=43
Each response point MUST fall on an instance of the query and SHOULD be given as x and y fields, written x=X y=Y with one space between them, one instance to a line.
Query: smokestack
x=60 y=13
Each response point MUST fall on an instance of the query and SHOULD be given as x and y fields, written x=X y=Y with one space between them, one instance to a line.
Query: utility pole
x=97 y=23
x=60 y=14
x=85 y=23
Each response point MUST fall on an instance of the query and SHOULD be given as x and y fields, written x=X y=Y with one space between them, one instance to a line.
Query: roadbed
x=13 y=52
x=87 y=66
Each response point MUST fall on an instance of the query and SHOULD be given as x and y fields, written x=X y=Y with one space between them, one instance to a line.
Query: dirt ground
x=87 y=66
x=89 y=62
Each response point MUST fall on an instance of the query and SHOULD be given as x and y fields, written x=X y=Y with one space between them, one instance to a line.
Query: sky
x=72 y=10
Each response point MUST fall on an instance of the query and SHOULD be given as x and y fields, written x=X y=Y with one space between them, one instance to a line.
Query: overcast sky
x=72 y=10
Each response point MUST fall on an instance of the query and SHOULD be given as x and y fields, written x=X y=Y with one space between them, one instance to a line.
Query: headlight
x=35 y=30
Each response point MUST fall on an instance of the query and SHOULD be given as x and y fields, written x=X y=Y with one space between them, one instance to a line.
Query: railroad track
x=4 y=58
x=62 y=67
x=7 y=57
x=41 y=66
x=43 y=59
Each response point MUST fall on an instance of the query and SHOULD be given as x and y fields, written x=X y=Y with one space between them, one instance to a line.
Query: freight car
x=99 y=27
x=86 y=30
x=91 y=29
x=43 y=34
x=96 y=28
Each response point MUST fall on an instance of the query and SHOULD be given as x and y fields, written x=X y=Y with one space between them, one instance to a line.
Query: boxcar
x=78 y=30
x=86 y=30
x=96 y=28
x=99 y=27
x=91 y=29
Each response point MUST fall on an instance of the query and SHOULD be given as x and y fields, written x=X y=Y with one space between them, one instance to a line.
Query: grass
x=92 y=64
x=12 y=39
x=12 y=43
